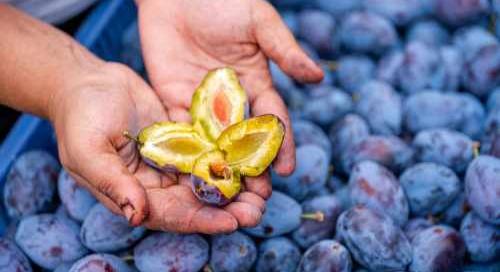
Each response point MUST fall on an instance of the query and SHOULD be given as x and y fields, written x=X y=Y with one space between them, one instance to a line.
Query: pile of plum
x=398 y=153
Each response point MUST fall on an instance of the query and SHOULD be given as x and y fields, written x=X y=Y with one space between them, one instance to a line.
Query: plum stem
x=493 y=23
x=220 y=169
x=207 y=268
x=128 y=258
x=129 y=136
x=330 y=64
x=317 y=216
x=475 y=149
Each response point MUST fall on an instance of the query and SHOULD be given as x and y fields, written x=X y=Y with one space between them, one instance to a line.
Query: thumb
x=278 y=43
x=106 y=173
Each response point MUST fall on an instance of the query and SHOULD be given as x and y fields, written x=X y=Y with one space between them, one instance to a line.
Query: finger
x=260 y=185
x=106 y=172
x=270 y=102
x=176 y=209
x=247 y=214
x=278 y=43
x=179 y=114
x=252 y=199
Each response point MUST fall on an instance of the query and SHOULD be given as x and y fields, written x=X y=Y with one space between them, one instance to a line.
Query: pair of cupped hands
x=181 y=42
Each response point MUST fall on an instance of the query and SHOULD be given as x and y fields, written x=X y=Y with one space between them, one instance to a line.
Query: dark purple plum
x=430 y=188
x=374 y=186
x=473 y=116
x=388 y=66
x=493 y=100
x=100 y=263
x=420 y=66
x=49 y=240
x=77 y=200
x=335 y=183
x=104 y=231
x=373 y=239
x=492 y=125
x=343 y=194
x=381 y=106
x=449 y=75
x=443 y=146
x=164 y=251
x=306 y=132
x=482 y=188
x=367 y=32
x=12 y=258
x=31 y=184
x=282 y=215
x=326 y=104
x=470 y=40
x=326 y=256
x=290 y=19
x=311 y=173
x=389 y=151
x=482 y=72
x=459 y=12
x=338 y=7
x=64 y=267
x=399 y=12
x=282 y=82
x=312 y=231
x=317 y=27
x=278 y=255
x=482 y=267
x=415 y=226
x=353 y=71
x=429 y=32
x=436 y=249
x=482 y=239
x=454 y=214
x=432 y=109
x=234 y=252
x=347 y=132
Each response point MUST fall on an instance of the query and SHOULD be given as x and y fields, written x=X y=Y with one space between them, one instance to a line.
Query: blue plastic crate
x=101 y=33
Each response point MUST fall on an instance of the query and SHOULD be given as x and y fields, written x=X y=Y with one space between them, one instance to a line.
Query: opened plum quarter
x=213 y=180
x=172 y=146
x=252 y=145
x=218 y=102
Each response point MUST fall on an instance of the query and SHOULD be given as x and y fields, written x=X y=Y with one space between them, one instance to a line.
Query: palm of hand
x=90 y=122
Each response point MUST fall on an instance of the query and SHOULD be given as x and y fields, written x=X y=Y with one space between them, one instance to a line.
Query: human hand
x=90 y=115
x=183 y=40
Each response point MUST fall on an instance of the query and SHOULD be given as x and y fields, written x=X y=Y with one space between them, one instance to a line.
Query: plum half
x=218 y=102
x=213 y=180
x=172 y=147
x=252 y=145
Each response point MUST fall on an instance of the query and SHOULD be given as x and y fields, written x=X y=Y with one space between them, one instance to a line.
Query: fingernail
x=128 y=211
